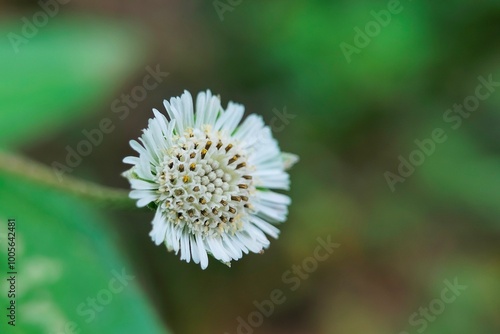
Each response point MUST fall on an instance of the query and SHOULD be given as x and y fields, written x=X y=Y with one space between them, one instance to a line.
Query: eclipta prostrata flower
x=209 y=178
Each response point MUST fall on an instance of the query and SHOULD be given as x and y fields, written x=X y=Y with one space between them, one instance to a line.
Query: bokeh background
x=352 y=121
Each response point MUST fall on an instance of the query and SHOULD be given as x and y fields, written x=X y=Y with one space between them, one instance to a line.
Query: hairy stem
x=33 y=171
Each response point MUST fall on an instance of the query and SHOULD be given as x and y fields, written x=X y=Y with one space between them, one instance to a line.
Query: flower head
x=209 y=178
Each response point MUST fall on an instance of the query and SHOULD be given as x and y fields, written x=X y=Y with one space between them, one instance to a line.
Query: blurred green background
x=352 y=121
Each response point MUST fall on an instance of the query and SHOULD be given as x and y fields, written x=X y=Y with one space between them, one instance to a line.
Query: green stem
x=33 y=171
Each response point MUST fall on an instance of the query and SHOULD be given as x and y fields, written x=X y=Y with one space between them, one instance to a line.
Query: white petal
x=194 y=249
x=175 y=237
x=187 y=106
x=144 y=197
x=274 y=197
x=159 y=228
x=281 y=184
x=157 y=136
x=174 y=114
x=139 y=148
x=201 y=107
x=249 y=241
x=207 y=109
x=230 y=119
x=274 y=213
x=265 y=226
x=185 y=249
x=162 y=121
x=257 y=235
x=202 y=252
x=232 y=247
x=143 y=185
x=144 y=168
x=238 y=244
x=217 y=250
x=131 y=160
x=252 y=125
x=214 y=108
x=289 y=159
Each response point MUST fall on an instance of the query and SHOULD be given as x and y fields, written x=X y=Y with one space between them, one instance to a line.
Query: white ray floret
x=210 y=179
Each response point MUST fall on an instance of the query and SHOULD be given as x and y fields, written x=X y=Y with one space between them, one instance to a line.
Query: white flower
x=210 y=178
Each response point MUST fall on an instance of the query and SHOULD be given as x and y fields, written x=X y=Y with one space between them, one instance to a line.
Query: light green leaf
x=70 y=274
x=68 y=68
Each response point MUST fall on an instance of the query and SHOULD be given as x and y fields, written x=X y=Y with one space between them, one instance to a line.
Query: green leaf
x=67 y=69
x=67 y=266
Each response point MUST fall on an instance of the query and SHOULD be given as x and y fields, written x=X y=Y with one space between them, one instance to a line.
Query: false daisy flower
x=209 y=179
